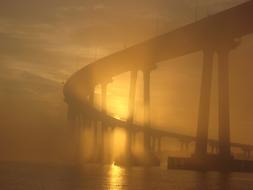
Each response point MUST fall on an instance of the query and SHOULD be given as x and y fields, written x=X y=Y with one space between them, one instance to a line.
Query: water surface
x=96 y=177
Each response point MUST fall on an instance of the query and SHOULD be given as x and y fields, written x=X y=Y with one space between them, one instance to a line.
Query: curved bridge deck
x=215 y=34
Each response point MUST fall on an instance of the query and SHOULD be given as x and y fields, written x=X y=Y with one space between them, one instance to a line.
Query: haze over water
x=44 y=42
x=96 y=177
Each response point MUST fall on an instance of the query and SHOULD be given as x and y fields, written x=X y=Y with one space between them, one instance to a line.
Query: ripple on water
x=16 y=176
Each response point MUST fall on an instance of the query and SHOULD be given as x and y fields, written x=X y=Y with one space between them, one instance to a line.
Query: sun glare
x=119 y=143
x=117 y=117
x=117 y=177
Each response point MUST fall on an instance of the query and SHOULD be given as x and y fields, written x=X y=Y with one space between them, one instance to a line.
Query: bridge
x=218 y=34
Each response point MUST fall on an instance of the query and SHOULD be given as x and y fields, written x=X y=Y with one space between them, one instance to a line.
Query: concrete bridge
x=214 y=35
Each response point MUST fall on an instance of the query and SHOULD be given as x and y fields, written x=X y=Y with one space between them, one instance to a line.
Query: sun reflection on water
x=117 y=176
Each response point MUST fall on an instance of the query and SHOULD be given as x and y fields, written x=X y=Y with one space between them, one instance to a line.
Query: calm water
x=92 y=177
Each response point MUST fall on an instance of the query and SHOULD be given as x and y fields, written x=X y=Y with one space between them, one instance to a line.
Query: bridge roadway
x=214 y=32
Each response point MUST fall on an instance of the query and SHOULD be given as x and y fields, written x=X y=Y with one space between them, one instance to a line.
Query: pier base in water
x=148 y=160
x=210 y=163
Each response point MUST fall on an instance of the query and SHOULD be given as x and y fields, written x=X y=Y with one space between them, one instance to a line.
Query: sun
x=116 y=116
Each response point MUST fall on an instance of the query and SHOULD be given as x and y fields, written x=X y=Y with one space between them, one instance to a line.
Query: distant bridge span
x=214 y=34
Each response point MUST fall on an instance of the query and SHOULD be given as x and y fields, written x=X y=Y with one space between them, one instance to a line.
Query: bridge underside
x=217 y=34
x=204 y=106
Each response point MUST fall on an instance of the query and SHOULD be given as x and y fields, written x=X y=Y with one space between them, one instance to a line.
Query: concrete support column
x=153 y=144
x=184 y=144
x=72 y=114
x=78 y=131
x=103 y=104
x=204 y=104
x=146 y=77
x=133 y=137
x=132 y=92
x=246 y=152
x=249 y=154
x=73 y=120
x=103 y=96
x=131 y=105
x=91 y=97
x=109 y=144
x=93 y=124
x=181 y=145
x=187 y=145
x=212 y=147
x=224 y=118
x=95 y=140
x=159 y=144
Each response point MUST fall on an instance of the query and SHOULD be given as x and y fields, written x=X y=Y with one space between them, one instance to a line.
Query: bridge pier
x=184 y=145
x=103 y=125
x=247 y=152
x=159 y=144
x=150 y=158
x=109 y=135
x=133 y=136
x=146 y=78
x=156 y=144
x=213 y=148
x=131 y=105
x=153 y=144
x=204 y=105
x=94 y=125
x=95 y=129
x=74 y=122
x=78 y=130
x=224 y=118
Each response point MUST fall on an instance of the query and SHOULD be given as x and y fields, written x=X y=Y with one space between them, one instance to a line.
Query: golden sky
x=44 y=42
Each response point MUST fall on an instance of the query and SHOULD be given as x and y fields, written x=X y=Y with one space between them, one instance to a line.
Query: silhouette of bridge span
x=217 y=34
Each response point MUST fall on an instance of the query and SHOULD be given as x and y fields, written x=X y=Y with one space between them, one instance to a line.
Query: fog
x=43 y=43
